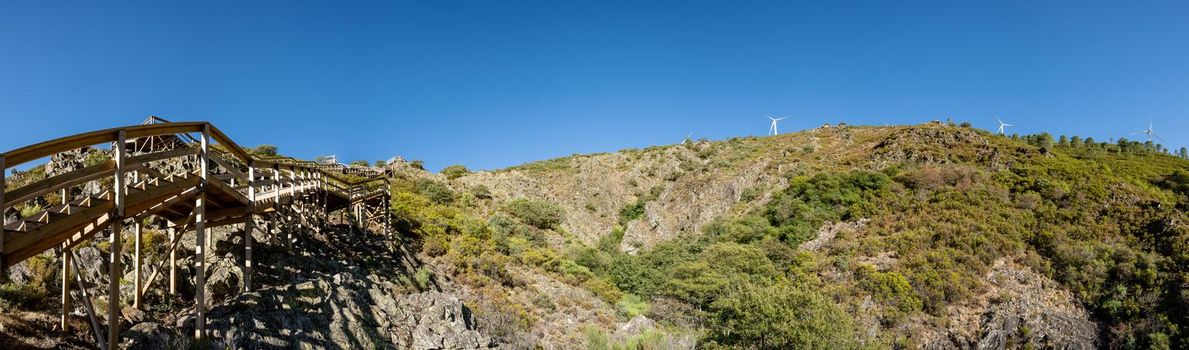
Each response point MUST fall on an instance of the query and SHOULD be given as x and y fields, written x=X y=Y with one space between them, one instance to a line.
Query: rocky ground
x=337 y=289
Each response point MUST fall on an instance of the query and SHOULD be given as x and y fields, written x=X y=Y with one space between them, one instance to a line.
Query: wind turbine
x=1149 y=132
x=1002 y=125
x=773 y=129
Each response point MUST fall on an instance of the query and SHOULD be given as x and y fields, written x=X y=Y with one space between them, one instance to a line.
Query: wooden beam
x=3 y=222
x=173 y=260
x=227 y=143
x=249 y=227
x=32 y=152
x=67 y=255
x=86 y=298
x=116 y=268
x=200 y=241
x=137 y=271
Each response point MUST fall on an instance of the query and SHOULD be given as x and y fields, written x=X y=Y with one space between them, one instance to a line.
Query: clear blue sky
x=490 y=84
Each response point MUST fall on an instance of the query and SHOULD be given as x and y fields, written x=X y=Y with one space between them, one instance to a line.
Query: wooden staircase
x=219 y=191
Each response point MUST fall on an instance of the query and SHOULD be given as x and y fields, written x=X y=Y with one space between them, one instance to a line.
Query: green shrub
x=631 y=305
x=798 y=211
x=779 y=317
x=455 y=171
x=540 y=214
x=422 y=277
x=481 y=192
x=437 y=192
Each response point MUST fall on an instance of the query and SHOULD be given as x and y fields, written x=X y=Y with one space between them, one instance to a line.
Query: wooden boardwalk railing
x=227 y=186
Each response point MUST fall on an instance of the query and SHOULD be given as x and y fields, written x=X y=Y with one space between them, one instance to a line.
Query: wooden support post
x=276 y=204
x=173 y=261
x=115 y=264
x=137 y=271
x=200 y=243
x=249 y=227
x=66 y=302
x=3 y=222
x=292 y=202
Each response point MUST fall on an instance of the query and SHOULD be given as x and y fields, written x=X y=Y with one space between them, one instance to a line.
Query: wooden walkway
x=223 y=185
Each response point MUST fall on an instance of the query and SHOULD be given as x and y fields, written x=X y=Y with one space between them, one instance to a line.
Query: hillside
x=927 y=236
x=931 y=236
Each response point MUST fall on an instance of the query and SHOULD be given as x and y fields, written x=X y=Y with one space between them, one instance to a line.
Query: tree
x=1184 y=153
x=360 y=163
x=1044 y=140
x=1090 y=142
x=1075 y=142
x=381 y=163
x=1063 y=141
x=455 y=171
x=265 y=150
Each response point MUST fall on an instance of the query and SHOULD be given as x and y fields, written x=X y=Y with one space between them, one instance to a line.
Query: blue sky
x=493 y=84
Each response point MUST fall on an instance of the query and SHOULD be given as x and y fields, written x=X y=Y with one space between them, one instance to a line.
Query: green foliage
x=779 y=317
x=1178 y=181
x=417 y=164
x=455 y=171
x=422 y=277
x=631 y=305
x=891 y=288
x=635 y=210
x=30 y=210
x=648 y=340
x=360 y=163
x=381 y=163
x=265 y=150
x=437 y=192
x=481 y=192
x=540 y=214
x=799 y=210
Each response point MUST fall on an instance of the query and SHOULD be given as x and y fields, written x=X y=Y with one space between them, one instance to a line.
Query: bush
x=779 y=317
x=631 y=305
x=422 y=277
x=801 y=208
x=481 y=192
x=436 y=192
x=540 y=214
x=455 y=171
x=265 y=150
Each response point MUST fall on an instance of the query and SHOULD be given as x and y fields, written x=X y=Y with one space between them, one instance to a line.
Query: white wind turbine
x=1149 y=132
x=1002 y=125
x=773 y=129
